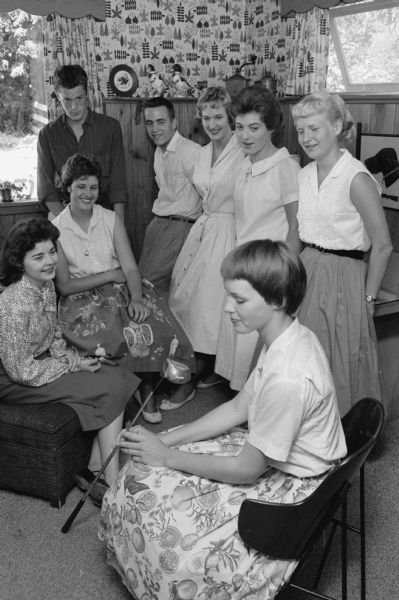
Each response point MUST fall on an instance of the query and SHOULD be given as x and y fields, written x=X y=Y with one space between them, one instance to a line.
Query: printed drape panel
x=209 y=41
x=67 y=42
x=308 y=55
x=290 y=7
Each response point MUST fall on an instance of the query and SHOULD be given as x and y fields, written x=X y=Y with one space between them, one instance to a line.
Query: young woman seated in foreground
x=103 y=296
x=36 y=366
x=170 y=521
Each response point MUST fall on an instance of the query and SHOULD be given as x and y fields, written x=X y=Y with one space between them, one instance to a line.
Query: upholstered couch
x=41 y=448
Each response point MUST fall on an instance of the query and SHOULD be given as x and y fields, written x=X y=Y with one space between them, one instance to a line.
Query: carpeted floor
x=38 y=562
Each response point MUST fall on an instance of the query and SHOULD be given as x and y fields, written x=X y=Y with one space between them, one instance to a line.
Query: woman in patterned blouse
x=36 y=366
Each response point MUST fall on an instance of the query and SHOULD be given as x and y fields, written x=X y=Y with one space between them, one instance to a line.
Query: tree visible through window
x=364 y=53
x=22 y=101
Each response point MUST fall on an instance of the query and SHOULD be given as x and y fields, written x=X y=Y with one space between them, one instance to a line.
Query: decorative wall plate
x=123 y=80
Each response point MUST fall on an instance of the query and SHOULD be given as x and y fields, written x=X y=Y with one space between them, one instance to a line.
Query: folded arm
x=67 y=285
x=17 y=357
x=46 y=190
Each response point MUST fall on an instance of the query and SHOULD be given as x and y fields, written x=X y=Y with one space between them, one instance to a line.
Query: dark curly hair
x=259 y=100
x=22 y=238
x=69 y=77
x=273 y=269
x=77 y=166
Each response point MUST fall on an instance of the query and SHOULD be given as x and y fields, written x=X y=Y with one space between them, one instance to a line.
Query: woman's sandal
x=151 y=417
x=210 y=381
x=83 y=480
x=167 y=404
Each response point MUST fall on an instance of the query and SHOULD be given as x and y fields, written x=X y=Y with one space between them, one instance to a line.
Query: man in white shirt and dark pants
x=178 y=204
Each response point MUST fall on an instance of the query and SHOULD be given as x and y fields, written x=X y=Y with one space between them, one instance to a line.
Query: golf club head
x=175 y=371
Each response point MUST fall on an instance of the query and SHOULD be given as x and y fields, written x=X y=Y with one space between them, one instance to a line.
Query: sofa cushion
x=37 y=425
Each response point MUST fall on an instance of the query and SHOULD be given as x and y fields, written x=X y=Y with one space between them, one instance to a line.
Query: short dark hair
x=158 y=102
x=70 y=76
x=262 y=101
x=274 y=270
x=22 y=238
x=77 y=166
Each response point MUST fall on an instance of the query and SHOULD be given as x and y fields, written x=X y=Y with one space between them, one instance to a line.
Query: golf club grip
x=66 y=526
x=70 y=520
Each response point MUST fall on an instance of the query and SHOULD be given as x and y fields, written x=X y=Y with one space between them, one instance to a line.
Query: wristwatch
x=370 y=299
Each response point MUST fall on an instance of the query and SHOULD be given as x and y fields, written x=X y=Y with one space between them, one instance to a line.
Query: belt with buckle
x=355 y=254
x=177 y=218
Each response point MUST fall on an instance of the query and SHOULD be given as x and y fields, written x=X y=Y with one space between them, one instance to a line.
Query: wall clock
x=123 y=80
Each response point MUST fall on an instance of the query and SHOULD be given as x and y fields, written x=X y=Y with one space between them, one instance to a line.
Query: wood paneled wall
x=377 y=115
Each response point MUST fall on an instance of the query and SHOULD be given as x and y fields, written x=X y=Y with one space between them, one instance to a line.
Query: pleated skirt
x=335 y=309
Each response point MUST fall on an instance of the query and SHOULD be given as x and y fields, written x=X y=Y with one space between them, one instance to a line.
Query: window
x=364 y=50
x=22 y=102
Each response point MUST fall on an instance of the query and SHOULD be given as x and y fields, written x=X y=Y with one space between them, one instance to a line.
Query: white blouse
x=293 y=415
x=326 y=215
x=261 y=192
x=215 y=182
x=92 y=252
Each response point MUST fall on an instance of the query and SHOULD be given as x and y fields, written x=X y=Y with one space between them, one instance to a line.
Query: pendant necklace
x=86 y=245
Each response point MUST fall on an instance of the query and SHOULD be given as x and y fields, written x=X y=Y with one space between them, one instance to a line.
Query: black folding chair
x=290 y=531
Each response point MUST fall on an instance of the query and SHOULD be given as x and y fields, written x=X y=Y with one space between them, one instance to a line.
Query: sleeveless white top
x=326 y=215
x=92 y=252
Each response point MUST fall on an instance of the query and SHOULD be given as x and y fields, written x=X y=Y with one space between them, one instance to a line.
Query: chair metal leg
x=325 y=555
x=362 y=537
x=344 y=574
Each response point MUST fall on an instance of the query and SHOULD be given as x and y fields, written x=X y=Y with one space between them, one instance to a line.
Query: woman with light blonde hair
x=341 y=223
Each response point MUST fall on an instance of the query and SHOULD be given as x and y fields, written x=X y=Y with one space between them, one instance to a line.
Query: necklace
x=87 y=242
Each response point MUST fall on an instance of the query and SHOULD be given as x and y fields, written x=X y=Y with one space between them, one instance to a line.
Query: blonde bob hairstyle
x=333 y=107
x=214 y=97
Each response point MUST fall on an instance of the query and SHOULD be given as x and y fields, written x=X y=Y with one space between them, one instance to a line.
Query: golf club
x=172 y=370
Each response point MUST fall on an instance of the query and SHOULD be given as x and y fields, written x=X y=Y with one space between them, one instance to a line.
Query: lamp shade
x=67 y=8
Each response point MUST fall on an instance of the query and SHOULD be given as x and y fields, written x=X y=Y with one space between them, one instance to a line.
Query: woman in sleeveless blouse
x=104 y=306
x=341 y=220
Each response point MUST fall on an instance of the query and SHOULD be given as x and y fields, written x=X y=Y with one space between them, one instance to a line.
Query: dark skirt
x=97 y=398
x=99 y=317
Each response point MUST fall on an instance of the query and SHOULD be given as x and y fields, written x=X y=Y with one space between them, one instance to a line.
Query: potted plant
x=6 y=190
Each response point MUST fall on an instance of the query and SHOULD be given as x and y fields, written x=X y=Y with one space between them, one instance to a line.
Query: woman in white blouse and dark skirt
x=341 y=220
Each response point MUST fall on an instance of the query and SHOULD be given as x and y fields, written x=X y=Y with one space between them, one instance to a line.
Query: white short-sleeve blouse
x=293 y=416
x=261 y=192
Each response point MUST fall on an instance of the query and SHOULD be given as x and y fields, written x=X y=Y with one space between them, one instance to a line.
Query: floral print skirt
x=174 y=536
x=98 y=319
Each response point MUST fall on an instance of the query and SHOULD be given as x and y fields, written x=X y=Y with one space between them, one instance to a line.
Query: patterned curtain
x=290 y=7
x=67 y=42
x=308 y=55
